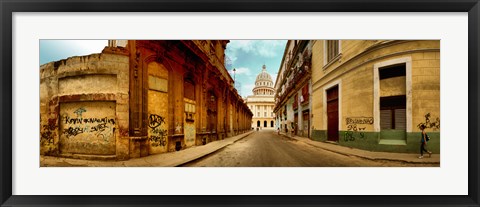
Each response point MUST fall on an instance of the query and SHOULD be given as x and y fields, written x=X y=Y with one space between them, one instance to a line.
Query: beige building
x=375 y=94
x=261 y=103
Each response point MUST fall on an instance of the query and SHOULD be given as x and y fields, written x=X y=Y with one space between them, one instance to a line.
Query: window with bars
x=332 y=49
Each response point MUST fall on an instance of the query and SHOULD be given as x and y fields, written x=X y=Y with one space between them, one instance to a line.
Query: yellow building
x=261 y=103
x=374 y=94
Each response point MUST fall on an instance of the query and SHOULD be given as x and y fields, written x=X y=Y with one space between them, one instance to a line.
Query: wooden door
x=332 y=114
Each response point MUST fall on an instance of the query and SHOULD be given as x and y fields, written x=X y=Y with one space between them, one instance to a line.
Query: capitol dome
x=263 y=83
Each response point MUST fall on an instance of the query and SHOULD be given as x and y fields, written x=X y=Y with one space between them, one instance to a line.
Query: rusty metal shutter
x=386 y=119
x=400 y=119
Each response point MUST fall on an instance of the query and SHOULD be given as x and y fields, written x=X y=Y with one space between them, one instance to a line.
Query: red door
x=332 y=114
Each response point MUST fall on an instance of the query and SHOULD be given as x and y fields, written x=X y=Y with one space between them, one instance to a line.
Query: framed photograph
x=197 y=103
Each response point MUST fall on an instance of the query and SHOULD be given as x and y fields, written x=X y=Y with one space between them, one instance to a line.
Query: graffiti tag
x=155 y=120
x=79 y=111
x=158 y=135
x=355 y=132
x=428 y=124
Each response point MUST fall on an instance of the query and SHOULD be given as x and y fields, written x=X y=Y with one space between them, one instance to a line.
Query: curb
x=209 y=153
x=360 y=156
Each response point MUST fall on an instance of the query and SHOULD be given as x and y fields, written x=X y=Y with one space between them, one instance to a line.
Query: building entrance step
x=392 y=142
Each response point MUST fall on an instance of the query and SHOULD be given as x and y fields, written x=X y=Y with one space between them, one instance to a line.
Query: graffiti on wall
x=47 y=135
x=155 y=121
x=429 y=124
x=158 y=136
x=356 y=127
x=100 y=127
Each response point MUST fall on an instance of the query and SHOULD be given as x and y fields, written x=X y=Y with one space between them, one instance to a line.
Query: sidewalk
x=170 y=159
x=387 y=156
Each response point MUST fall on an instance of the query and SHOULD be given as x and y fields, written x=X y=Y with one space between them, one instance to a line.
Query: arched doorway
x=157 y=116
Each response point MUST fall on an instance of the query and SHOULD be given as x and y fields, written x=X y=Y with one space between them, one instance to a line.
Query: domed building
x=261 y=103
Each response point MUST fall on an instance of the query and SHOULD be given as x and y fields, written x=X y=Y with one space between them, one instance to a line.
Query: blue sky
x=246 y=56
x=53 y=50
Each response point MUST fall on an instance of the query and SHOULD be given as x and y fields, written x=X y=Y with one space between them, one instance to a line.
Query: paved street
x=259 y=149
x=267 y=149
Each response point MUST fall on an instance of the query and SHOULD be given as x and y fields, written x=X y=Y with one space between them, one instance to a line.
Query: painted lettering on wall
x=101 y=127
x=356 y=128
x=359 y=120
x=158 y=136
x=429 y=123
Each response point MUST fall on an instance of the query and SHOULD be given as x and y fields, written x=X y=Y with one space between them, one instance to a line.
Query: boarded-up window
x=189 y=89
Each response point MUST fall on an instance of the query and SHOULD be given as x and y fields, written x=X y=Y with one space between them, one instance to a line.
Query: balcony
x=299 y=75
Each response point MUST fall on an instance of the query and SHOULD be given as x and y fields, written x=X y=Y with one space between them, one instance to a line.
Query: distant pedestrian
x=424 y=141
x=278 y=130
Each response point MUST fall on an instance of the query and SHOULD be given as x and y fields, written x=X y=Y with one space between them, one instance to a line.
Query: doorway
x=306 y=123
x=332 y=114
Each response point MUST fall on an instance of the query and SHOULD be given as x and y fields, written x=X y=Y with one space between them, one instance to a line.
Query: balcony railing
x=299 y=74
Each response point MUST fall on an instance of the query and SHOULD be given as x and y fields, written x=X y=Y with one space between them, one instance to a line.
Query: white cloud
x=264 y=48
x=247 y=89
x=239 y=71
x=88 y=46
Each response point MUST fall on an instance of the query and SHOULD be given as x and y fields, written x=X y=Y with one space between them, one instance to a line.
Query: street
x=267 y=149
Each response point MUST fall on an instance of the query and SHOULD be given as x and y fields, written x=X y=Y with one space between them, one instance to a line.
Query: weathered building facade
x=293 y=97
x=374 y=94
x=139 y=97
x=261 y=103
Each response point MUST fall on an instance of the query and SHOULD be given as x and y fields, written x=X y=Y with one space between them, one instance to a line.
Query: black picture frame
x=7 y=8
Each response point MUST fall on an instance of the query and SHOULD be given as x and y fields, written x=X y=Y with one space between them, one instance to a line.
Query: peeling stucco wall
x=84 y=106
